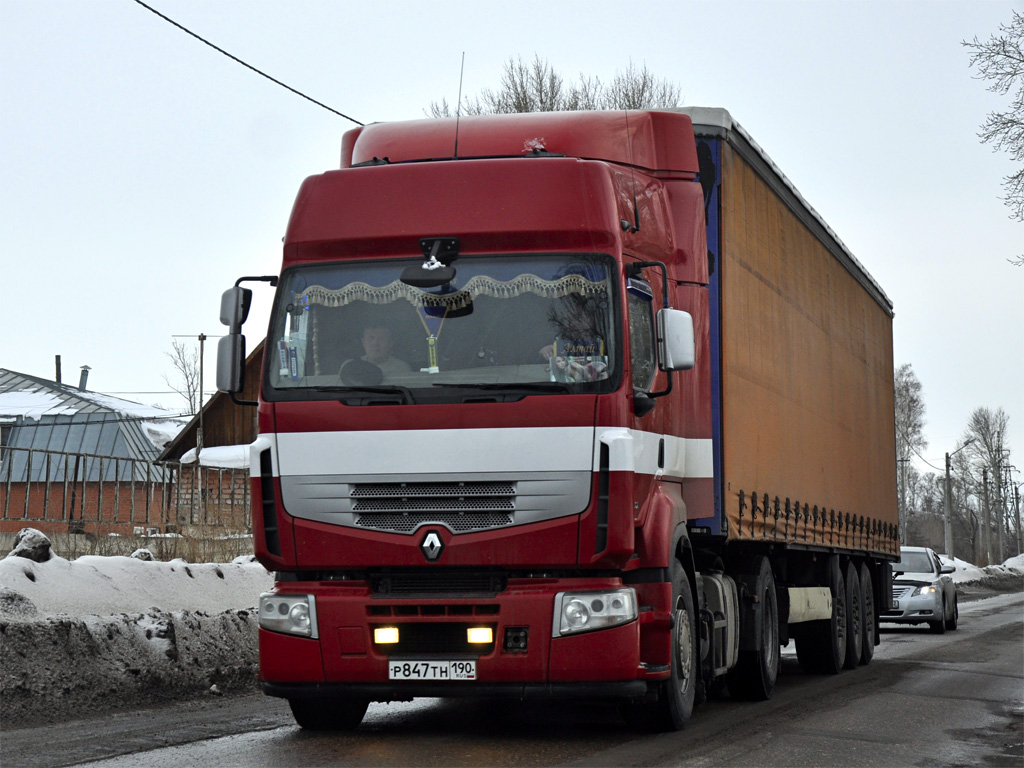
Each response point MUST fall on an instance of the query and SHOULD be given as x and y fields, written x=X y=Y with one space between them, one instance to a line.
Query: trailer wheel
x=821 y=645
x=328 y=714
x=833 y=644
x=753 y=678
x=868 y=625
x=854 y=618
x=676 y=695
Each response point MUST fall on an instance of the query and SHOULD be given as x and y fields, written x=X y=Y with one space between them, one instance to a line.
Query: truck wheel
x=954 y=618
x=833 y=647
x=806 y=640
x=854 y=618
x=753 y=677
x=821 y=645
x=676 y=695
x=328 y=714
x=867 y=602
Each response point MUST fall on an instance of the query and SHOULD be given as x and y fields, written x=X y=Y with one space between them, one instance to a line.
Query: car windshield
x=913 y=562
x=519 y=325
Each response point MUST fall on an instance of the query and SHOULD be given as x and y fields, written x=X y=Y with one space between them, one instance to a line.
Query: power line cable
x=244 y=64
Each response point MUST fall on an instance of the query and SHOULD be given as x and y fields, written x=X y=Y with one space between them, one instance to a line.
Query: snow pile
x=967 y=572
x=109 y=585
x=99 y=633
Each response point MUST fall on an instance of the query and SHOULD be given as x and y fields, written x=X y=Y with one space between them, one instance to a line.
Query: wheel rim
x=683 y=646
x=854 y=627
x=869 y=616
x=769 y=635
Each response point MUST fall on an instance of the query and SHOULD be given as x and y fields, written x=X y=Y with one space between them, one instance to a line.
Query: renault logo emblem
x=432 y=546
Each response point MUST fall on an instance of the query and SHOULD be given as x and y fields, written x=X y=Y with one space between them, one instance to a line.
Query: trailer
x=565 y=405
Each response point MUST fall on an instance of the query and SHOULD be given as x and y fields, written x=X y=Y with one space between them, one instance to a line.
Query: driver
x=377 y=344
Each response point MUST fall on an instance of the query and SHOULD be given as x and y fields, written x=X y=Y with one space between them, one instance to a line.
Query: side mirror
x=234 y=308
x=231 y=363
x=676 y=345
x=948 y=569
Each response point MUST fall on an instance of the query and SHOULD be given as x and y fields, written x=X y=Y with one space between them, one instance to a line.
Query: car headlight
x=586 y=611
x=291 y=614
x=929 y=590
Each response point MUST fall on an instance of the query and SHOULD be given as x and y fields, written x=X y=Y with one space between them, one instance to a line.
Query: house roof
x=43 y=415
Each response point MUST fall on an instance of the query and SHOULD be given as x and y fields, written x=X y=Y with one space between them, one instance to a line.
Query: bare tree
x=186 y=375
x=1000 y=60
x=538 y=87
x=639 y=89
x=910 y=423
x=989 y=453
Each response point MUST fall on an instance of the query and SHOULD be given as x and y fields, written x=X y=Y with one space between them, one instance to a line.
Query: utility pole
x=986 y=531
x=1016 y=504
x=946 y=523
x=1000 y=506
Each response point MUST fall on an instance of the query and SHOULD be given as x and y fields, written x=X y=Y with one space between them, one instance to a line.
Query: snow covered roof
x=43 y=415
x=222 y=456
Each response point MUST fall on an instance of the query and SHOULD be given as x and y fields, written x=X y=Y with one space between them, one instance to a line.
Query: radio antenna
x=458 y=106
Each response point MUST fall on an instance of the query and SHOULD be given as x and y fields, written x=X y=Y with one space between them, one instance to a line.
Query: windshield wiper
x=529 y=386
x=389 y=389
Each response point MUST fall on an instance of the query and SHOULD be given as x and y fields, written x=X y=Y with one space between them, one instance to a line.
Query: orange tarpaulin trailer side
x=808 y=447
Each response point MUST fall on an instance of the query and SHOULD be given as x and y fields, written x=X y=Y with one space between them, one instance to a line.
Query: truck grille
x=403 y=507
x=438 y=582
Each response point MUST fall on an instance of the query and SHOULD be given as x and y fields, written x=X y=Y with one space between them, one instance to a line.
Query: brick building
x=77 y=461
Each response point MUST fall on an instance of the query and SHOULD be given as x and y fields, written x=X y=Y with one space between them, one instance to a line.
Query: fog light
x=385 y=635
x=479 y=635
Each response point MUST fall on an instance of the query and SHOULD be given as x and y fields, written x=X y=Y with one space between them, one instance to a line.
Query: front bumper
x=344 y=660
x=916 y=609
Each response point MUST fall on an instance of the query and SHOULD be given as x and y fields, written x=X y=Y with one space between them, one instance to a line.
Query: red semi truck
x=565 y=405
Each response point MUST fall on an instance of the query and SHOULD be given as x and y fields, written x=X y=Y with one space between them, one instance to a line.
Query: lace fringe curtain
x=480 y=285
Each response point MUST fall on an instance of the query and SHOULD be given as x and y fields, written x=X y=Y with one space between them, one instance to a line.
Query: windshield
x=519 y=325
x=913 y=562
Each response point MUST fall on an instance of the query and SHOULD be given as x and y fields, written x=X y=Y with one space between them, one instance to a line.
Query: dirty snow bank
x=100 y=633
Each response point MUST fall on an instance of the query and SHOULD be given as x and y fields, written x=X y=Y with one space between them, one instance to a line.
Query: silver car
x=922 y=591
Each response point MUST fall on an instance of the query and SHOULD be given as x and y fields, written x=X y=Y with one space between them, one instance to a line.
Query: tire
x=869 y=626
x=676 y=695
x=954 y=619
x=821 y=645
x=753 y=678
x=854 y=618
x=833 y=640
x=328 y=714
x=806 y=639
x=939 y=627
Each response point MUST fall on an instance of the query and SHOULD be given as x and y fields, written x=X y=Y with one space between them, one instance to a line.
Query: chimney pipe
x=85 y=377
x=58 y=367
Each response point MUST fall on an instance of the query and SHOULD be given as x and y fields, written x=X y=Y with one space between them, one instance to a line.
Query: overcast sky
x=143 y=172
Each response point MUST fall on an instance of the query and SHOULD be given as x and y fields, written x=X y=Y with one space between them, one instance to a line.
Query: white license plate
x=432 y=670
x=895 y=605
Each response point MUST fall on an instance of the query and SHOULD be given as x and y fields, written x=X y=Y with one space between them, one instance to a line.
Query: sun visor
x=660 y=142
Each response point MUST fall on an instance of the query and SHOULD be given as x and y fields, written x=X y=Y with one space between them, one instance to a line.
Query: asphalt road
x=936 y=700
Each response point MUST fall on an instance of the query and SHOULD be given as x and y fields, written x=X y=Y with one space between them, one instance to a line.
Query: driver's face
x=377 y=344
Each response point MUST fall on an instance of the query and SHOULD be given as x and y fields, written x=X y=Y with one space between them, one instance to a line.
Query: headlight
x=929 y=590
x=291 y=614
x=586 y=611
